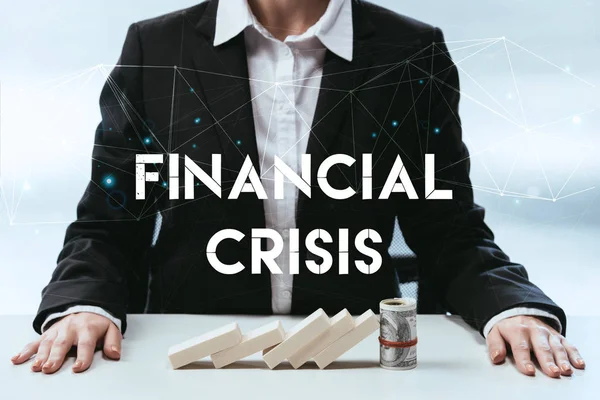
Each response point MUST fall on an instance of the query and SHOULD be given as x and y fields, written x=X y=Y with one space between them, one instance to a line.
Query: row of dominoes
x=317 y=337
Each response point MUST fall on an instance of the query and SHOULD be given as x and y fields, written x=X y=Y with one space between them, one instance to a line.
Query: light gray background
x=541 y=77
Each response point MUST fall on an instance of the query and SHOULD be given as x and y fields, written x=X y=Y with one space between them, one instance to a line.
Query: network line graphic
x=503 y=103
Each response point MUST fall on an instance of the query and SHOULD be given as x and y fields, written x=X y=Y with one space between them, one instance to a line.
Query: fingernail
x=580 y=361
x=530 y=368
x=36 y=364
x=77 y=365
x=116 y=350
x=495 y=355
x=554 y=369
x=566 y=367
x=15 y=357
x=48 y=365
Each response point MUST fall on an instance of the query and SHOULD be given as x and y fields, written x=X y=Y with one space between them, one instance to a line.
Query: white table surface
x=452 y=363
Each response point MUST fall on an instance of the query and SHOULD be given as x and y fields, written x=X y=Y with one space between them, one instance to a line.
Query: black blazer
x=173 y=91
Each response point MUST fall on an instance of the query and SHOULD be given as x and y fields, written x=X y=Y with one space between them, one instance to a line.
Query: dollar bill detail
x=398 y=323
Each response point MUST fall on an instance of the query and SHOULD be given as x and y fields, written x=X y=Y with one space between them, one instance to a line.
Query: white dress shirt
x=284 y=79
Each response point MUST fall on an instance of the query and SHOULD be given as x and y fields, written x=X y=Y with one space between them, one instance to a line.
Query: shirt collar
x=334 y=29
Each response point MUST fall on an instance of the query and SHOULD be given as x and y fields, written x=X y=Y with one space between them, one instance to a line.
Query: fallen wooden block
x=340 y=324
x=298 y=337
x=253 y=342
x=366 y=324
x=199 y=347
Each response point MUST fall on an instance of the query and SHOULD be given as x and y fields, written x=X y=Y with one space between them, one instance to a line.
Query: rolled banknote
x=398 y=333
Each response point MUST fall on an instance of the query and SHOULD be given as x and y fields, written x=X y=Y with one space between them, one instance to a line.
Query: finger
x=543 y=352
x=521 y=349
x=86 y=346
x=26 y=353
x=496 y=346
x=560 y=355
x=112 y=342
x=43 y=350
x=574 y=356
x=63 y=342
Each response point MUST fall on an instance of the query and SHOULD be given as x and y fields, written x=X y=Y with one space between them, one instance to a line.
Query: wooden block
x=340 y=324
x=253 y=342
x=298 y=337
x=199 y=347
x=366 y=324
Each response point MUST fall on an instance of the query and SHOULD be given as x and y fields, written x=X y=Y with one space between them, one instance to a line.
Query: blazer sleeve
x=112 y=229
x=456 y=251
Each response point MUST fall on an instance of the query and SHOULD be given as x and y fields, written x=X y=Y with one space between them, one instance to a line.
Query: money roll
x=398 y=333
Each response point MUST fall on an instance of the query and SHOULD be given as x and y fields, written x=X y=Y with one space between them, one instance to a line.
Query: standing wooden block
x=254 y=341
x=298 y=337
x=341 y=324
x=366 y=324
x=199 y=347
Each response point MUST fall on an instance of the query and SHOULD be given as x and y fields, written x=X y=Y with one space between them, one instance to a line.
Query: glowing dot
x=421 y=81
x=26 y=186
x=129 y=139
x=436 y=131
x=197 y=183
x=110 y=129
x=147 y=140
x=374 y=134
x=568 y=69
x=37 y=231
x=98 y=165
x=238 y=142
x=164 y=184
x=108 y=181
x=192 y=90
x=554 y=200
x=194 y=146
x=517 y=201
x=501 y=194
x=394 y=123
x=197 y=120
x=577 y=119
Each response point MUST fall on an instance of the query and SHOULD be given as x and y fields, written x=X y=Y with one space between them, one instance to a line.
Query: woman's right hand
x=86 y=331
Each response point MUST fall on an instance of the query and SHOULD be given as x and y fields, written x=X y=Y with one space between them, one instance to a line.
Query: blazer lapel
x=340 y=77
x=223 y=74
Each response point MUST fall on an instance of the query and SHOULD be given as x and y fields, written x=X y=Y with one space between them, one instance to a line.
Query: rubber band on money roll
x=398 y=345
